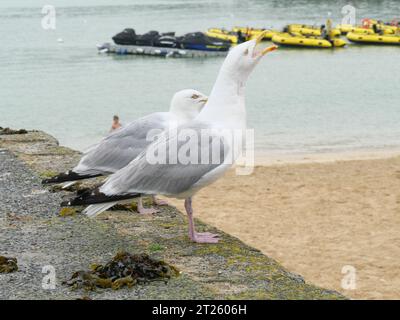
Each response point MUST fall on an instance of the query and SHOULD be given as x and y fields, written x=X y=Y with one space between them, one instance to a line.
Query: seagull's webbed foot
x=143 y=210
x=205 y=237
x=159 y=202
x=147 y=211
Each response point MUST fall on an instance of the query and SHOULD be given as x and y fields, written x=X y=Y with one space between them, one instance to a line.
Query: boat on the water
x=370 y=26
x=346 y=28
x=200 y=41
x=254 y=33
x=240 y=34
x=303 y=29
x=286 y=39
x=192 y=41
x=326 y=38
x=307 y=30
x=389 y=39
x=223 y=34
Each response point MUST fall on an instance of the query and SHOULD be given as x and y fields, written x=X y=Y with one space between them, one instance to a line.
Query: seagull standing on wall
x=225 y=110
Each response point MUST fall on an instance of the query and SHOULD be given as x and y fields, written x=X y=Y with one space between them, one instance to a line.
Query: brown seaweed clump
x=123 y=270
x=8 y=265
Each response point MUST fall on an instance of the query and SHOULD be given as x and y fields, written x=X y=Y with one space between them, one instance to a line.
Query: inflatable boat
x=389 y=39
x=303 y=29
x=286 y=39
x=253 y=33
x=370 y=26
x=222 y=34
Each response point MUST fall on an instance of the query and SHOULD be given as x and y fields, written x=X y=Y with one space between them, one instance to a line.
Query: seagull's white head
x=242 y=59
x=187 y=104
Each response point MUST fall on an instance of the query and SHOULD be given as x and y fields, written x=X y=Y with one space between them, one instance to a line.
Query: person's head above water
x=187 y=104
x=115 y=124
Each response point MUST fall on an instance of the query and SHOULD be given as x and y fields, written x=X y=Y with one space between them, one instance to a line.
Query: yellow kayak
x=253 y=33
x=222 y=34
x=374 y=38
x=286 y=39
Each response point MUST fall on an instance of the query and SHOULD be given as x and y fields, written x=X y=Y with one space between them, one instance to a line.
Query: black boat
x=126 y=37
x=147 y=39
x=200 y=41
x=192 y=41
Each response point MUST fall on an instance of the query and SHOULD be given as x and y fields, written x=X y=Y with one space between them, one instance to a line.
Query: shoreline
x=273 y=158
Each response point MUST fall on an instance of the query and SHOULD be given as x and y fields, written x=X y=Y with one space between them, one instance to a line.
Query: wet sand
x=316 y=216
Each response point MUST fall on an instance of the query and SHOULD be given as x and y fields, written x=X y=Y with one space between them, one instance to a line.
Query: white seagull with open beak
x=224 y=111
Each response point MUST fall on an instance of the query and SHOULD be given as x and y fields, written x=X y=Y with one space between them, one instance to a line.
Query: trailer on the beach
x=158 y=51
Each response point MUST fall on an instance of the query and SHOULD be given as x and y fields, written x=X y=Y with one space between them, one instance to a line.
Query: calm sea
x=297 y=100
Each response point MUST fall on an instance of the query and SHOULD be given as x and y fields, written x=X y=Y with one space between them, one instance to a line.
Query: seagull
x=121 y=146
x=224 y=112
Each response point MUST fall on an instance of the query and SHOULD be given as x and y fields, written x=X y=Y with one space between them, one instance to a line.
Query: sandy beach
x=316 y=215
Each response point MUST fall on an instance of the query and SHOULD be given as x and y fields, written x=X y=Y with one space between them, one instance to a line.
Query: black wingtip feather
x=96 y=197
x=68 y=177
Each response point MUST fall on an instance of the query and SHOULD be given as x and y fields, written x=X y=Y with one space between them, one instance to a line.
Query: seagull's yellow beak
x=204 y=100
x=269 y=49
x=260 y=37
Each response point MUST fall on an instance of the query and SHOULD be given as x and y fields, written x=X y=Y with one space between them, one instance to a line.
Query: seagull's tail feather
x=95 y=209
x=68 y=176
x=96 y=197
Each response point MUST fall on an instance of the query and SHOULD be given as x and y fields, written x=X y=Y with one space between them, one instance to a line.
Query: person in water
x=115 y=124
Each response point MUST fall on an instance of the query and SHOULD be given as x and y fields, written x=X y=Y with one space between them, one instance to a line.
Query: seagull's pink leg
x=205 y=237
x=159 y=202
x=142 y=210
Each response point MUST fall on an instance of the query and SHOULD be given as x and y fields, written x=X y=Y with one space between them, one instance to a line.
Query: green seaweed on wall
x=67 y=212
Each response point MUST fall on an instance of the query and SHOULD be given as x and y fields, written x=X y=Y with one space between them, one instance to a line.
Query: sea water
x=298 y=100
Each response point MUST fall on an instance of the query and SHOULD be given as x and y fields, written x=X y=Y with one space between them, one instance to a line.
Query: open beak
x=268 y=49
x=261 y=37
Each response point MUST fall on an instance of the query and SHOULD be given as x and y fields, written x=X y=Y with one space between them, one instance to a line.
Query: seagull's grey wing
x=171 y=177
x=120 y=147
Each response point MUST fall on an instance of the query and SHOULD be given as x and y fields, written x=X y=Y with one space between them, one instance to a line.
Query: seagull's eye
x=246 y=52
x=195 y=96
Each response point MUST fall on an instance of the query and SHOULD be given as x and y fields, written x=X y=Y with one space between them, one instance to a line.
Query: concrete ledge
x=32 y=230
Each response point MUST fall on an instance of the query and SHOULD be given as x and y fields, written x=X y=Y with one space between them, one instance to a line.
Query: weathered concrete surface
x=34 y=233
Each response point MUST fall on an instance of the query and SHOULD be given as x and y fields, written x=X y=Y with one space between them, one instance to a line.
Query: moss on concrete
x=67 y=212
